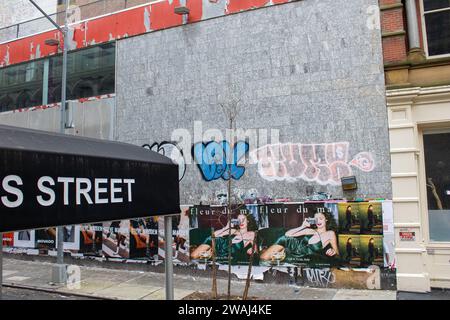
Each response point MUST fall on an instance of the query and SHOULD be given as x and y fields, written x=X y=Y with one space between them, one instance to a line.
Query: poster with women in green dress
x=212 y=233
x=300 y=234
x=321 y=234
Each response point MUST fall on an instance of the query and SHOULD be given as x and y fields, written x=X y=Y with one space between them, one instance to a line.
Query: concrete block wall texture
x=311 y=69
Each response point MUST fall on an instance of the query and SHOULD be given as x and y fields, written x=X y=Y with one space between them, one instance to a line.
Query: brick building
x=416 y=46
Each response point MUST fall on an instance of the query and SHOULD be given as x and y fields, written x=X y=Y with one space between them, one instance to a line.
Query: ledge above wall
x=432 y=72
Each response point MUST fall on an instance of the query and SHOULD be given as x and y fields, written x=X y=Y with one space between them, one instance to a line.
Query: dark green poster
x=211 y=233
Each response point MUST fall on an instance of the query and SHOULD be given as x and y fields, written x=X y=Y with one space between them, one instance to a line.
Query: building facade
x=304 y=85
x=416 y=42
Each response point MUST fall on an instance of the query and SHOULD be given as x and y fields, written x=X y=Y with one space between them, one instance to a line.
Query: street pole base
x=59 y=274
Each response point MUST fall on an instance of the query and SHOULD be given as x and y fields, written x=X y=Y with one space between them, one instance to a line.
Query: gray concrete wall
x=311 y=69
x=91 y=118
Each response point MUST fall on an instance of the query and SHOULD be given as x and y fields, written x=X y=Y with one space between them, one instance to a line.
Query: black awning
x=49 y=179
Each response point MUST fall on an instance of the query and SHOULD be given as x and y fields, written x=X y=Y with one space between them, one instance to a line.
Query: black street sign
x=50 y=180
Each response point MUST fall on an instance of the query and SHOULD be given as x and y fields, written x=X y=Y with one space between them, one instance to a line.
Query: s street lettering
x=67 y=191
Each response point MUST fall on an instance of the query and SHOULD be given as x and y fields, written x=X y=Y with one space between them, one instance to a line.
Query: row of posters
x=315 y=234
x=312 y=234
x=141 y=239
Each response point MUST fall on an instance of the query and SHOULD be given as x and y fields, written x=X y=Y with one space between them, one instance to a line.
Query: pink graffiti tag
x=325 y=163
x=363 y=161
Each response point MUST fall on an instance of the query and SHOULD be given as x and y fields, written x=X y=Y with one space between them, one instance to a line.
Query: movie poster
x=46 y=239
x=209 y=224
x=349 y=218
x=91 y=239
x=299 y=234
x=25 y=239
x=180 y=234
x=371 y=217
x=350 y=251
x=144 y=238
x=116 y=239
x=371 y=248
x=8 y=239
x=71 y=238
x=280 y=217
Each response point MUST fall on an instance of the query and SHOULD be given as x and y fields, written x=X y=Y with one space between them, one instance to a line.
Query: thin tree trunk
x=214 y=267
x=249 y=273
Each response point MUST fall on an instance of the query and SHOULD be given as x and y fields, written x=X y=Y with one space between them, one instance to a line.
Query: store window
x=437 y=26
x=21 y=86
x=90 y=72
x=437 y=168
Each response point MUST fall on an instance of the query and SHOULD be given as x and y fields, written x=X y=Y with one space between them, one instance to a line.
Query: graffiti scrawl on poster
x=324 y=164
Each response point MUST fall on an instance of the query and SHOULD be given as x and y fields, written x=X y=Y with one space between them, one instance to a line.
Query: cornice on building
x=418 y=95
x=386 y=7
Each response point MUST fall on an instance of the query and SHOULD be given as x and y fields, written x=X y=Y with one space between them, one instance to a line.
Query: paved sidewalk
x=106 y=283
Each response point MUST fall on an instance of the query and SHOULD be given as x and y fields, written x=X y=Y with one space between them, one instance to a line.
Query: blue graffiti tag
x=211 y=159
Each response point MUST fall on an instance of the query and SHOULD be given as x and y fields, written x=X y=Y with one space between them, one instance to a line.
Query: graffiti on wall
x=217 y=160
x=171 y=150
x=324 y=164
x=321 y=278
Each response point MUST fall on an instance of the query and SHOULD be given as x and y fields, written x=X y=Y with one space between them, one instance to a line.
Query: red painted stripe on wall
x=152 y=17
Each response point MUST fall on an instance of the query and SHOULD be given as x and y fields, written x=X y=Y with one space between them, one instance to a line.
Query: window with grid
x=437 y=26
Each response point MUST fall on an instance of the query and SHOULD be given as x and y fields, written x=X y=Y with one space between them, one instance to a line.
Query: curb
x=33 y=288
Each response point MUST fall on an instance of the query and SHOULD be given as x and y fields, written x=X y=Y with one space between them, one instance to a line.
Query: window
x=90 y=72
x=437 y=26
x=21 y=86
x=437 y=169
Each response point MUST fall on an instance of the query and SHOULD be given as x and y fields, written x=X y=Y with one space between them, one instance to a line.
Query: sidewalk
x=106 y=283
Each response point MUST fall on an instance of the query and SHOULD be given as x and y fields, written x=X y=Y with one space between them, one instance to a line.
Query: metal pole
x=413 y=27
x=1 y=264
x=59 y=271
x=47 y=16
x=169 y=257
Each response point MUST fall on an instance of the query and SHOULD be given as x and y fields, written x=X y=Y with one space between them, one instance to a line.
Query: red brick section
x=392 y=21
x=394 y=49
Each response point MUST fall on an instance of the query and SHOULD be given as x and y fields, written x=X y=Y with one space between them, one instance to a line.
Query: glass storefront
x=21 y=86
x=437 y=167
x=90 y=72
